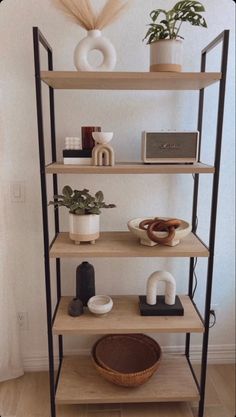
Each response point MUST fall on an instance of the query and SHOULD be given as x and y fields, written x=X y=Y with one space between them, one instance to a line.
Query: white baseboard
x=217 y=354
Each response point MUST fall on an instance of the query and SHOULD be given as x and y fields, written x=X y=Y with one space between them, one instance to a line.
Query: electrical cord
x=196 y=225
x=212 y=314
x=196 y=260
x=195 y=277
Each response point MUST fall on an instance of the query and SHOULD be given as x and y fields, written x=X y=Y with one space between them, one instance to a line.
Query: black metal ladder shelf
x=38 y=40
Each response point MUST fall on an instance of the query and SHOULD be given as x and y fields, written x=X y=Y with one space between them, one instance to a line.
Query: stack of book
x=74 y=155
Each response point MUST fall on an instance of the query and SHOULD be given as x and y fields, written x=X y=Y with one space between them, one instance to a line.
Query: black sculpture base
x=160 y=308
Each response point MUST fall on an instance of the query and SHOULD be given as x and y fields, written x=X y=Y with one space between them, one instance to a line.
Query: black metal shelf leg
x=224 y=37
x=195 y=195
x=55 y=189
x=36 y=37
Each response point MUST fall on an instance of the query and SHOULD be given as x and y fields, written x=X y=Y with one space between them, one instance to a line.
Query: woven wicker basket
x=126 y=360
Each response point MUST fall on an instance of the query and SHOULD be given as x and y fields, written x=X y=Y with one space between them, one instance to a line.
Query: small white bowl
x=100 y=304
x=181 y=232
x=102 y=137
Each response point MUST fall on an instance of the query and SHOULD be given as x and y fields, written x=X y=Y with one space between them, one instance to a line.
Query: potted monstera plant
x=84 y=213
x=164 y=37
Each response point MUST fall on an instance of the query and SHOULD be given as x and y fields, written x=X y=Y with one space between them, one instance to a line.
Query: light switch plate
x=17 y=192
x=23 y=320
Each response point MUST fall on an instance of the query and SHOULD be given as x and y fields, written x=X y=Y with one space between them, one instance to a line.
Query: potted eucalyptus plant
x=84 y=213
x=164 y=37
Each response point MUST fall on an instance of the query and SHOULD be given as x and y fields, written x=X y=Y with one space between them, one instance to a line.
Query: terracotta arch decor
x=103 y=155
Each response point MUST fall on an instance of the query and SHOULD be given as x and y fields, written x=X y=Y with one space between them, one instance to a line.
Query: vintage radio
x=170 y=147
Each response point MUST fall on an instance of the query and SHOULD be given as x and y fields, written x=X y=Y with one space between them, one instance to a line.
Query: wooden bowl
x=126 y=360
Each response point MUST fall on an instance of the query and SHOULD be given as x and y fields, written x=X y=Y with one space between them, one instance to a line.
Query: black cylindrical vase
x=85 y=282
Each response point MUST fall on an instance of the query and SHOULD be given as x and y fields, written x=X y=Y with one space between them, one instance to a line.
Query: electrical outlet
x=23 y=320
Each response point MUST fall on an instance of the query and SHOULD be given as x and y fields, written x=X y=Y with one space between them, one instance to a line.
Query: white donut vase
x=95 y=41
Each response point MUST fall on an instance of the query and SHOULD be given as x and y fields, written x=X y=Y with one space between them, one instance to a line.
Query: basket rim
x=134 y=374
x=136 y=336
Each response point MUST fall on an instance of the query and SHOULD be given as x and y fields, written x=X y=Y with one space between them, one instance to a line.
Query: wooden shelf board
x=130 y=168
x=126 y=410
x=79 y=383
x=129 y=80
x=125 y=318
x=125 y=245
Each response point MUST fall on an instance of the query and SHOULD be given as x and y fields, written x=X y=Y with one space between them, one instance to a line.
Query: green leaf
x=195 y=19
x=56 y=197
x=152 y=38
x=74 y=206
x=84 y=191
x=94 y=210
x=150 y=30
x=99 y=196
x=67 y=191
x=78 y=212
x=109 y=206
x=156 y=13
x=165 y=23
x=195 y=6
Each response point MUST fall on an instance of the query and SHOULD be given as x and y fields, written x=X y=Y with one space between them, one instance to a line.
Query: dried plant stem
x=82 y=12
x=110 y=12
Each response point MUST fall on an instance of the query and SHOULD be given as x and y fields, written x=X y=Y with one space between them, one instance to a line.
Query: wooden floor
x=28 y=397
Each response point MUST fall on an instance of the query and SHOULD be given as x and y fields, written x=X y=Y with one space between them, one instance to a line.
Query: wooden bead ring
x=173 y=222
x=161 y=240
x=145 y=223
x=160 y=225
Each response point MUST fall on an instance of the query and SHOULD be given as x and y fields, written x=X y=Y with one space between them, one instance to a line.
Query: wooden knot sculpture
x=160 y=225
x=103 y=155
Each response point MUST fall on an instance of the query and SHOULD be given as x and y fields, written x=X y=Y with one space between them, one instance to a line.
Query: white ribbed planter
x=95 y=41
x=166 y=55
x=84 y=228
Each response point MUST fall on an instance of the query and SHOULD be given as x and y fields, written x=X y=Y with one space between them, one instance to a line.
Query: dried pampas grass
x=82 y=12
x=110 y=12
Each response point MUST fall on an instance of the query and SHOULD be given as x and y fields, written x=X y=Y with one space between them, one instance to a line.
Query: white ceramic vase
x=95 y=41
x=84 y=228
x=166 y=55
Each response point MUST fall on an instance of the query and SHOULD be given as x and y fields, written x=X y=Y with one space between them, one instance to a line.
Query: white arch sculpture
x=103 y=155
x=170 y=290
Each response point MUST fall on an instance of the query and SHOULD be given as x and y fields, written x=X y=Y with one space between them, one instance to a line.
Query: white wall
x=127 y=114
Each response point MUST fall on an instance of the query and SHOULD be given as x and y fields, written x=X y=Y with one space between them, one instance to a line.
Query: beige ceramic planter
x=84 y=228
x=166 y=55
